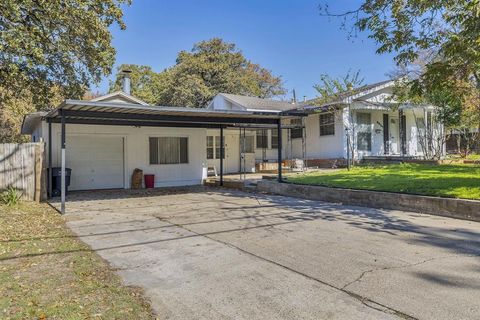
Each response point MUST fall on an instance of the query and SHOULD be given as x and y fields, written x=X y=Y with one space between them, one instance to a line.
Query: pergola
x=123 y=114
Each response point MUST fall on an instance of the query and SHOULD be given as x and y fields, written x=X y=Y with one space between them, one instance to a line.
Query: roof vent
x=126 y=81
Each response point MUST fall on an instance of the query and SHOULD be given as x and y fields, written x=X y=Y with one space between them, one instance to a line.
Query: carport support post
x=62 y=188
x=222 y=153
x=279 y=134
x=49 y=158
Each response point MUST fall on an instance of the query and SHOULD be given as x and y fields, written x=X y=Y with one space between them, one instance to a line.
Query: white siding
x=323 y=147
x=137 y=153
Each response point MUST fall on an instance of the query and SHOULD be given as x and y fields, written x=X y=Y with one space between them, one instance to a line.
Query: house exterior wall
x=232 y=152
x=136 y=150
x=220 y=103
x=323 y=147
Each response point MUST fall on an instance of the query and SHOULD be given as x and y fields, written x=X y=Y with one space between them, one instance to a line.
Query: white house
x=103 y=140
x=108 y=137
x=367 y=122
x=366 y=119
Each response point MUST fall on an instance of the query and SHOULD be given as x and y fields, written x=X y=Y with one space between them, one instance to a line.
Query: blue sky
x=288 y=37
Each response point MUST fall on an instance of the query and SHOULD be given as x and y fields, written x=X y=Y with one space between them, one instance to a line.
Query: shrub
x=10 y=197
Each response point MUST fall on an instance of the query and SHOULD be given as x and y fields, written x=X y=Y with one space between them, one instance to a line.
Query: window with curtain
x=168 y=150
x=327 y=124
x=262 y=138
x=364 y=135
x=274 y=139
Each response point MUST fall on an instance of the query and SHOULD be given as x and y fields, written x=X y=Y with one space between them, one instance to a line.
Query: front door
x=232 y=153
x=394 y=134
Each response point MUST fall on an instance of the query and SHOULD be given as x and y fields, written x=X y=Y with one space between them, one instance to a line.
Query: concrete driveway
x=220 y=254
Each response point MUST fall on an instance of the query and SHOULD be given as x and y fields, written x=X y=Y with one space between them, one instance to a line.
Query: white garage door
x=96 y=162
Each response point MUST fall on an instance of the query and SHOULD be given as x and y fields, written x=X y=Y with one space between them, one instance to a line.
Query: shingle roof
x=255 y=103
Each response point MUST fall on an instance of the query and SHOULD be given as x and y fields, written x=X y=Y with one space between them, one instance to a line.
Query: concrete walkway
x=213 y=254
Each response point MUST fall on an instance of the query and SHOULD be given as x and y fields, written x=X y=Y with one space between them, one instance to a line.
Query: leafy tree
x=52 y=47
x=211 y=67
x=449 y=30
x=330 y=89
x=146 y=84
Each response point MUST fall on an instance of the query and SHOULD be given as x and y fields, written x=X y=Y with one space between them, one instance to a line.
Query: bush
x=10 y=197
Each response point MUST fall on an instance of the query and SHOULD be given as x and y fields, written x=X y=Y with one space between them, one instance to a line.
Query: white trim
x=122 y=95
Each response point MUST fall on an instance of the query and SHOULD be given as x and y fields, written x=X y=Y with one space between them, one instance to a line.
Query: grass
x=455 y=181
x=47 y=273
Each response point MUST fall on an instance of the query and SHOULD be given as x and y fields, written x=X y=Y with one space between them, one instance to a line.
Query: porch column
x=49 y=158
x=63 y=187
x=279 y=128
x=222 y=154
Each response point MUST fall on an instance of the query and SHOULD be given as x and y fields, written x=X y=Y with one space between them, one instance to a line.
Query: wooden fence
x=22 y=166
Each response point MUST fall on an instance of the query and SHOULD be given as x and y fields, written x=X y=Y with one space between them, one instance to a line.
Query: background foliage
x=51 y=49
x=211 y=67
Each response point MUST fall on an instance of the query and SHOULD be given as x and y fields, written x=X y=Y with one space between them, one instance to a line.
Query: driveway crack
x=364 y=300
x=360 y=277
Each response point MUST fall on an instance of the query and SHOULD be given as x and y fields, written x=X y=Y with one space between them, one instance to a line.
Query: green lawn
x=47 y=273
x=457 y=181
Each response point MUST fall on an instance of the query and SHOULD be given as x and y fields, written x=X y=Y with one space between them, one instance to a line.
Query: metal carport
x=123 y=114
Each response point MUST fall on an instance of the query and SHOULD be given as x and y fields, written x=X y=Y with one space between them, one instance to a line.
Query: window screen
x=168 y=150
x=327 y=124
x=296 y=133
x=364 y=136
x=262 y=139
x=274 y=139
x=249 y=146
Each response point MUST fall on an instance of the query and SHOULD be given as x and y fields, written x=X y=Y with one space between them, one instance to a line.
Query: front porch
x=385 y=134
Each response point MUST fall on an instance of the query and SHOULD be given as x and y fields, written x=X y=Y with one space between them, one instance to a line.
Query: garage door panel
x=96 y=162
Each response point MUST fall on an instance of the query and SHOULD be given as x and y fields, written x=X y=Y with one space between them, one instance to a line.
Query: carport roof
x=114 y=113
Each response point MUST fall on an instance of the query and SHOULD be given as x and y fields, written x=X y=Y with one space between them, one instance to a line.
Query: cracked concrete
x=218 y=254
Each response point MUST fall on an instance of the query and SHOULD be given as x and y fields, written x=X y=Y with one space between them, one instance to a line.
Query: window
x=210 y=147
x=262 y=139
x=421 y=135
x=364 y=135
x=249 y=144
x=168 y=150
x=296 y=133
x=274 y=138
x=327 y=124
x=213 y=147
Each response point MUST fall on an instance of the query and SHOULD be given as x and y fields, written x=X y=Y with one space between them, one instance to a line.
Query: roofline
x=123 y=94
x=351 y=97
x=264 y=110
x=128 y=106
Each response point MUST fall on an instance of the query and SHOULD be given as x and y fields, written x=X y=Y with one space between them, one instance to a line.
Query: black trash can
x=57 y=180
